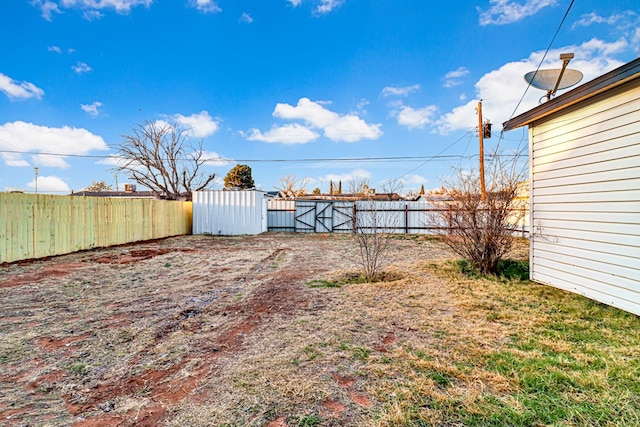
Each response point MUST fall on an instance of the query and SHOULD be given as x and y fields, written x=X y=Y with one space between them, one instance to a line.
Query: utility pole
x=480 y=136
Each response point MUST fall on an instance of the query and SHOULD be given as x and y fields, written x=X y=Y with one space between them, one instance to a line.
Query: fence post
x=406 y=218
x=354 y=214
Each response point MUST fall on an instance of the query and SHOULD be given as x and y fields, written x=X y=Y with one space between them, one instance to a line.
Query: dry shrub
x=482 y=230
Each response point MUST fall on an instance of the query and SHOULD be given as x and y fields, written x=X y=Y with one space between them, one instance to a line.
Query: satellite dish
x=547 y=79
x=552 y=80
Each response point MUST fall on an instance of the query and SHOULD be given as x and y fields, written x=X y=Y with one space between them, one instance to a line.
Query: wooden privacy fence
x=331 y=216
x=34 y=225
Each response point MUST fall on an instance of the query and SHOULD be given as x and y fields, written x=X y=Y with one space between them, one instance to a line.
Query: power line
x=428 y=160
x=543 y=57
x=437 y=157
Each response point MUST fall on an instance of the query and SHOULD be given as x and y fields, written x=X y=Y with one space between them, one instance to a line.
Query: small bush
x=513 y=269
x=507 y=269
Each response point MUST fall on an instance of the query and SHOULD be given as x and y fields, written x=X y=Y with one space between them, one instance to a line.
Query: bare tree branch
x=161 y=157
x=290 y=186
x=373 y=233
x=482 y=231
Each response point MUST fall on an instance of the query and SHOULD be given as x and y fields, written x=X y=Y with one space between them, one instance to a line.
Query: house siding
x=585 y=198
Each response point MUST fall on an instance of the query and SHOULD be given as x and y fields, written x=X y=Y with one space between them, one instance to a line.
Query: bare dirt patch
x=203 y=330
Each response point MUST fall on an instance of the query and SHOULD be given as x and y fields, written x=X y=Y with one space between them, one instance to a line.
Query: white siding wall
x=585 y=199
x=229 y=212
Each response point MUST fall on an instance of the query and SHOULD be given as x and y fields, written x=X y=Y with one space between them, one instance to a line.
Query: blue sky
x=289 y=87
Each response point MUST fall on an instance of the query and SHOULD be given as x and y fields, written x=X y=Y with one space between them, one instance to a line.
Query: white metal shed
x=233 y=212
x=584 y=156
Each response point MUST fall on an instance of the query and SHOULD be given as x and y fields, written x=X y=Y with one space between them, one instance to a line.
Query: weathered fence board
x=37 y=225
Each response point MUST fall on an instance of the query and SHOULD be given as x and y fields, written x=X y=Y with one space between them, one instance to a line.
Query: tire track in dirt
x=282 y=296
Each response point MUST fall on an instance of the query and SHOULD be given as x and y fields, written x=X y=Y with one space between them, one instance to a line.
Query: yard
x=271 y=330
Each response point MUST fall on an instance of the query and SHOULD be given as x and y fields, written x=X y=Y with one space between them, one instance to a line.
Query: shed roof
x=617 y=77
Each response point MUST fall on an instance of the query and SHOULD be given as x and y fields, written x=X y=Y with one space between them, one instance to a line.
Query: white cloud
x=501 y=89
x=206 y=6
x=327 y=6
x=295 y=3
x=115 y=161
x=47 y=7
x=292 y=133
x=506 y=11
x=400 y=91
x=347 y=127
x=14 y=160
x=49 y=161
x=635 y=37
x=14 y=89
x=351 y=128
x=362 y=105
x=92 y=109
x=49 y=184
x=55 y=49
x=416 y=117
x=246 y=18
x=200 y=125
x=215 y=159
x=92 y=15
x=415 y=180
x=589 y=19
x=81 y=67
x=90 y=8
x=27 y=137
x=345 y=177
x=596 y=46
x=452 y=78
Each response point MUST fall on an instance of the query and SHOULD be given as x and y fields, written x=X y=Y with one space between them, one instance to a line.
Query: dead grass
x=268 y=331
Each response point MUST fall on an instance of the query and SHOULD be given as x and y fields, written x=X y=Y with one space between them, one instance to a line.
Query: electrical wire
x=428 y=160
x=543 y=58
x=437 y=157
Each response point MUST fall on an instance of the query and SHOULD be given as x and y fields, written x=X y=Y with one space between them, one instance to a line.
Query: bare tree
x=161 y=157
x=392 y=186
x=482 y=231
x=290 y=186
x=358 y=185
x=373 y=232
x=98 y=186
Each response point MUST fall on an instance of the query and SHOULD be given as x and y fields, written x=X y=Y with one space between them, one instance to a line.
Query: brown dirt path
x=143 y=334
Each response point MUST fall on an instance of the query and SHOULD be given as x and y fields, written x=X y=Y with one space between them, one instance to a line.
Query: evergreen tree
x=239 y=178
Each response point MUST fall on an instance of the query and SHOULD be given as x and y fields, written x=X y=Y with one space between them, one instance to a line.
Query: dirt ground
x=206 y=330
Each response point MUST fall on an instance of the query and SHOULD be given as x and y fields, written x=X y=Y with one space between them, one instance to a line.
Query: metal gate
x=314 y=217
x=343 y=217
